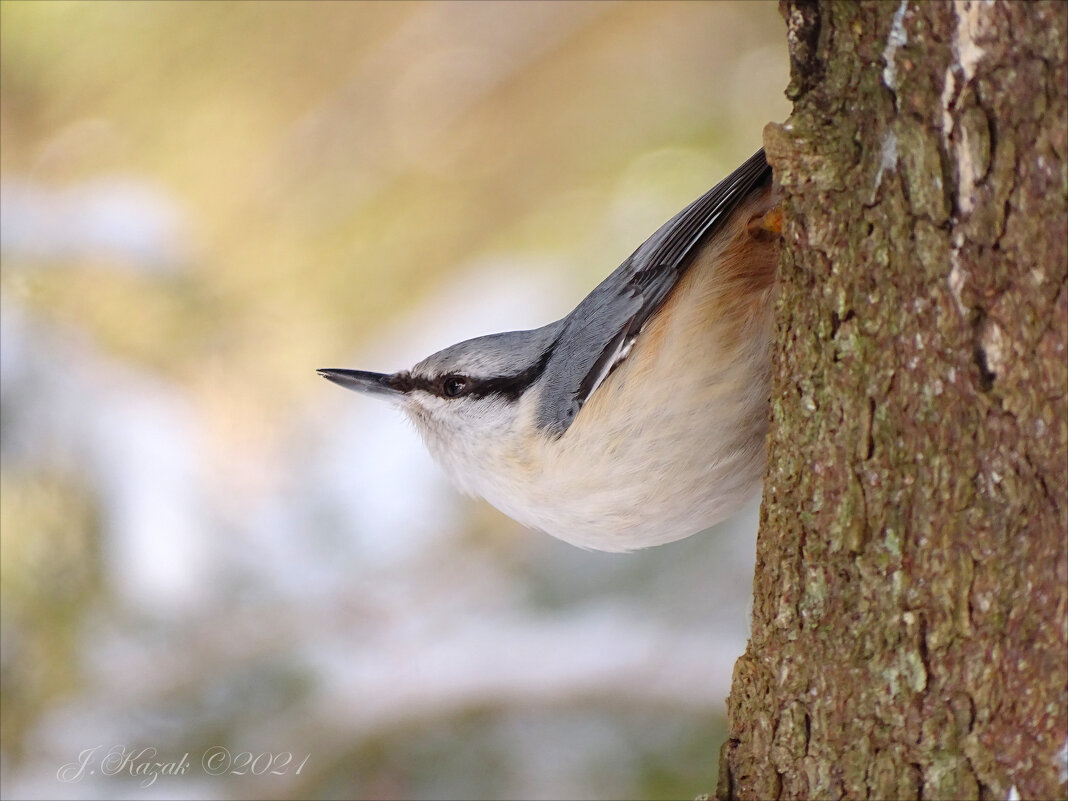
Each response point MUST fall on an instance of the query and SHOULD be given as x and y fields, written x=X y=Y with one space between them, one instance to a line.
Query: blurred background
x=204 y=545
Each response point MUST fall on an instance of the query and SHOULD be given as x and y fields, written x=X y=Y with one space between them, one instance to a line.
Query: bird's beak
x=378 y=384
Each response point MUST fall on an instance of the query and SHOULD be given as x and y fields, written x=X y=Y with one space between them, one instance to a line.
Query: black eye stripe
x=508 y=387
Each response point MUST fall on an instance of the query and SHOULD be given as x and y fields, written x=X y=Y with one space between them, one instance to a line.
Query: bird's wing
x=598 y=334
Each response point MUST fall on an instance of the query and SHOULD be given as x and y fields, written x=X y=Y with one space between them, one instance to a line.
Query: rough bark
x=911 y=592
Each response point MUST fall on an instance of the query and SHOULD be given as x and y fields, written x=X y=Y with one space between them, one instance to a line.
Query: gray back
x=615 y=311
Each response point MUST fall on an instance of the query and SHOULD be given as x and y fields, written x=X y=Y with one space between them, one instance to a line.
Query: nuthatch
x=637 y=419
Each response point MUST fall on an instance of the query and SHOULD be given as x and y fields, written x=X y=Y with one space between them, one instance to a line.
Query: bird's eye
x=453 y=386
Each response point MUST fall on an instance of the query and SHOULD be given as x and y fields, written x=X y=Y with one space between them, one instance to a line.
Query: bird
x=639 y=418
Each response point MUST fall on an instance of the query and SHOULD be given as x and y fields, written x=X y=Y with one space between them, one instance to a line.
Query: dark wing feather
x=606 y=321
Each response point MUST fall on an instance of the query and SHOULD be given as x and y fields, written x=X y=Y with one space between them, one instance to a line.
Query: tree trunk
x=910 y=612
